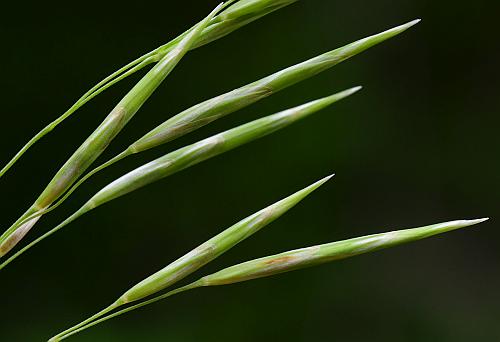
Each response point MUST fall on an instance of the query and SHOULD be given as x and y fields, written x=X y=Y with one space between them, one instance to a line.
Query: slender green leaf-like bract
x=193 y=154
x=293 y=260
x=243 y=13
x=104 y=134
x=205 y=253
x=217 y=107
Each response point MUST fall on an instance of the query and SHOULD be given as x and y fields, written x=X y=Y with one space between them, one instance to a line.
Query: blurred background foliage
x=418 y=145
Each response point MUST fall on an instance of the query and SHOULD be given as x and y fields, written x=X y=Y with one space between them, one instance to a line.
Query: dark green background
x=418 y=145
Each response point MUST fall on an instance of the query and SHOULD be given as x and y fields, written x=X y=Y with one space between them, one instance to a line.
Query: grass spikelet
x=320 y=254
x=290 y=261
x=193 y=154
x=215 y=108
x=205 y=253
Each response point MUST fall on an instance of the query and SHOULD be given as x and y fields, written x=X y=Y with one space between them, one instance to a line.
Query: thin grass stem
x=79 y=327
x=46 y=235
x=115 y=77
x=90 y=319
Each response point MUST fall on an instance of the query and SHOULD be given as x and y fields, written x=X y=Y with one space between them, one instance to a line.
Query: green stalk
x=118 y=75
x=104 y=134
x=204 y=253
x=193 y=154
x=217 y=107
x=93 y=321
x=226 y=22
x=293 y=260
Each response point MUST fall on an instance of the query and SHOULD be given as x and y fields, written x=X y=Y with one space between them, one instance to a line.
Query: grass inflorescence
x=224 y=19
